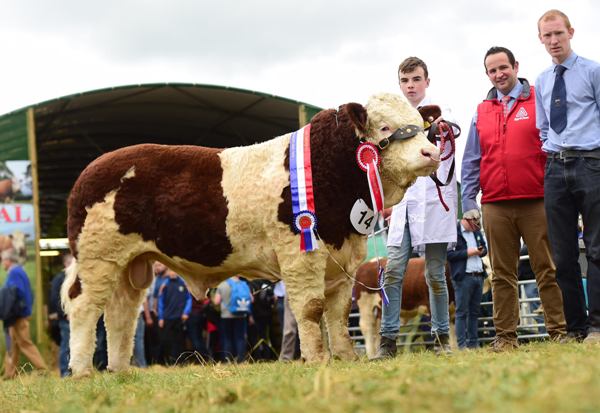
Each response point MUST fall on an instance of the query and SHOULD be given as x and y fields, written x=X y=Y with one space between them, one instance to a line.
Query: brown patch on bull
x=313 y=310
x=172 y=196
x=366 y=277
x=75 y=289
x=415 y=292
x=337 y=180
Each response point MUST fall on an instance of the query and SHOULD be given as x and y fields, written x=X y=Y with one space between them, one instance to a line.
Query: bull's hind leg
x=97 y=283
x=338 y=300
x=122 y=312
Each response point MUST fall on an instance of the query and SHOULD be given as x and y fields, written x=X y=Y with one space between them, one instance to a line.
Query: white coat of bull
x=262 y=246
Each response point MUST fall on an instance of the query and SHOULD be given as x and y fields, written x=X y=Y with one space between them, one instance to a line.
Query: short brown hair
x=410 y=64
x=554 y=14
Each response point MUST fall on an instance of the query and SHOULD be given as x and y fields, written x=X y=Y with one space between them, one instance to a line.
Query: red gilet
x=512 y=160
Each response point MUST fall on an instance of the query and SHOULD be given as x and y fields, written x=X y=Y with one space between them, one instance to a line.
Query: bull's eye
x=385 y=129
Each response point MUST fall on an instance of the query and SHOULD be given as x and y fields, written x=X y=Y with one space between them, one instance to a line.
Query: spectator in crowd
x=18 y=331
x=503 y=158
x=468 y=274
x=174 y=307
x=419 y=221
x=153 y=348
x=568 y=116
x=196 y=327
x=139 y=351
x=262 y=314
x=235 y=299
x=290 y=341
x=279 y=292
x=56 y=313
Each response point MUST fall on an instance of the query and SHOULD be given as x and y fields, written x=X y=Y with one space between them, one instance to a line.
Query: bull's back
x=171 y=195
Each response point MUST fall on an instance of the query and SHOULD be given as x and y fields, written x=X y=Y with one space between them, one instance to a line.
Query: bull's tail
x=71 y=286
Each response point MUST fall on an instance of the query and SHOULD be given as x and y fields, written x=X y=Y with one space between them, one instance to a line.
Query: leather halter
x=400 y=134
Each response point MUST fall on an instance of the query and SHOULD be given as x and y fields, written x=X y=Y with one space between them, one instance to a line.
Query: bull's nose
x=431 y=152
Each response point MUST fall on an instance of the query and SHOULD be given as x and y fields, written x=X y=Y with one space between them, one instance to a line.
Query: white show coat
x=428 y=220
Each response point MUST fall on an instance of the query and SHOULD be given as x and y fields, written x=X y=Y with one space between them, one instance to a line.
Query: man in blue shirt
x=468 y=273
x=568 y=116
x=20 y=337
x=174 y=307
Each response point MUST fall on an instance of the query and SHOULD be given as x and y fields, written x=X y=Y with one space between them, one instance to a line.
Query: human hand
x=149 y=321
x=161 y=323
x=184 y=317
x=471 y=251
x=473 y=216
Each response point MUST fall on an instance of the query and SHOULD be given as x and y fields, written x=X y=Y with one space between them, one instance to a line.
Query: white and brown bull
x=211 y=213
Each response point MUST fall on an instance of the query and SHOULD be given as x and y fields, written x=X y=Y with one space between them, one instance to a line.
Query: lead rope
x=353 y=278
x=446 y=134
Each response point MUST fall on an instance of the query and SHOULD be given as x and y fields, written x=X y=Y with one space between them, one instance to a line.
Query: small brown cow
x=415 y=297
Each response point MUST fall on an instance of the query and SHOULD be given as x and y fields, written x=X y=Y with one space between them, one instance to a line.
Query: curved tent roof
x=71 y=131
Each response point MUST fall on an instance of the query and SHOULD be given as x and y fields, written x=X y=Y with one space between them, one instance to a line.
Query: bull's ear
x=430 y=113
x=358 y=116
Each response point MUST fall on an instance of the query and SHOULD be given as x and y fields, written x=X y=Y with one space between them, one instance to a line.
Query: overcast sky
x=321 y=52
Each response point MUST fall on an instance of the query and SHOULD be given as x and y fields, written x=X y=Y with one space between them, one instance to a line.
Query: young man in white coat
x=419 y=222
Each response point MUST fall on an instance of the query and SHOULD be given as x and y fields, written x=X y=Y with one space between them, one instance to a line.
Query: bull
x=211 y=213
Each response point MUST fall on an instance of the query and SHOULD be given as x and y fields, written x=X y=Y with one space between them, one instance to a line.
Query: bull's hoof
x=81 y=374
x=346 y=356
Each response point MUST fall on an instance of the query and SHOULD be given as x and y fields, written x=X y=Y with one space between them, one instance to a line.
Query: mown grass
x=539 y=377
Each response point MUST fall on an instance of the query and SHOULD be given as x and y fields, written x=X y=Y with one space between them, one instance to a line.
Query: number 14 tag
x=362 y=217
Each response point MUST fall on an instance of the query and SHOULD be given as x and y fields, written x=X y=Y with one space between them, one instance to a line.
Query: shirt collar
x=568 y=63
x=514 y=93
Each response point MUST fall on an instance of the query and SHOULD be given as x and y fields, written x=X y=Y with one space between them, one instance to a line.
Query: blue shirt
x=471 y=163
x=174 y=299
x=474 y=262
x=582 y=80
x=17 y=277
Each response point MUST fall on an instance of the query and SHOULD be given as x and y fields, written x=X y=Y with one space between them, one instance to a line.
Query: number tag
x=362 y=217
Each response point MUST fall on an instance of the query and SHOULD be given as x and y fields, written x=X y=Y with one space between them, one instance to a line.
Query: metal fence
x=416 y=332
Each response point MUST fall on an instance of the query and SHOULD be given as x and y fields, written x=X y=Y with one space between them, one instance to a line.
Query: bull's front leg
x=305 y=282
x=338 y=300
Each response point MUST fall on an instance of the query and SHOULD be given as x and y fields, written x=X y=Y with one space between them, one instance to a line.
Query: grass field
x=539 y=377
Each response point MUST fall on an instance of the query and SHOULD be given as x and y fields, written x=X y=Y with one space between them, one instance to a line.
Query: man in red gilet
x=503 y=158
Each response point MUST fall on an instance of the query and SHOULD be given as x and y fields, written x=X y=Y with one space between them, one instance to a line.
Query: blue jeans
x=467 y=293
x=572 y=187
x=233 y=338
x=435 y=264
x=64 y=353
x=139 y=352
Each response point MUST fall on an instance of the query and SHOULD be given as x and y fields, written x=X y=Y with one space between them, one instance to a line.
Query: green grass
x=539 y=377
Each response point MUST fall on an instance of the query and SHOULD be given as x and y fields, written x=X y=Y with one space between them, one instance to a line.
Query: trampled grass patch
x=539 y=377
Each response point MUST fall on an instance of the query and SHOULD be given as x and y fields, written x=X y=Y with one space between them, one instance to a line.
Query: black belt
x=574 y=154
x=476 y=274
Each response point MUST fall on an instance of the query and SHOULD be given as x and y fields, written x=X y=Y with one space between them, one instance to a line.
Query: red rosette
x=366 y=153
x=304 y=220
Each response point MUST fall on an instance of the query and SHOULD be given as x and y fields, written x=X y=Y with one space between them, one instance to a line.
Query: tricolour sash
x=301 y=183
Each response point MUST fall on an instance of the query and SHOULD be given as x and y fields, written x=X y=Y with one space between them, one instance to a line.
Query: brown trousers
x=20 y=342
x=505 y=223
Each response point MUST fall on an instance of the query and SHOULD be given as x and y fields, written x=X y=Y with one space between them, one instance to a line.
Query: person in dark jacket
x=20 y=336
x=174 y=307
x=467 y=272
x=56 y=314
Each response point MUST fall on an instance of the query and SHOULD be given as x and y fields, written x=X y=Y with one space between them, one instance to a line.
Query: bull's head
x=405 y=158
